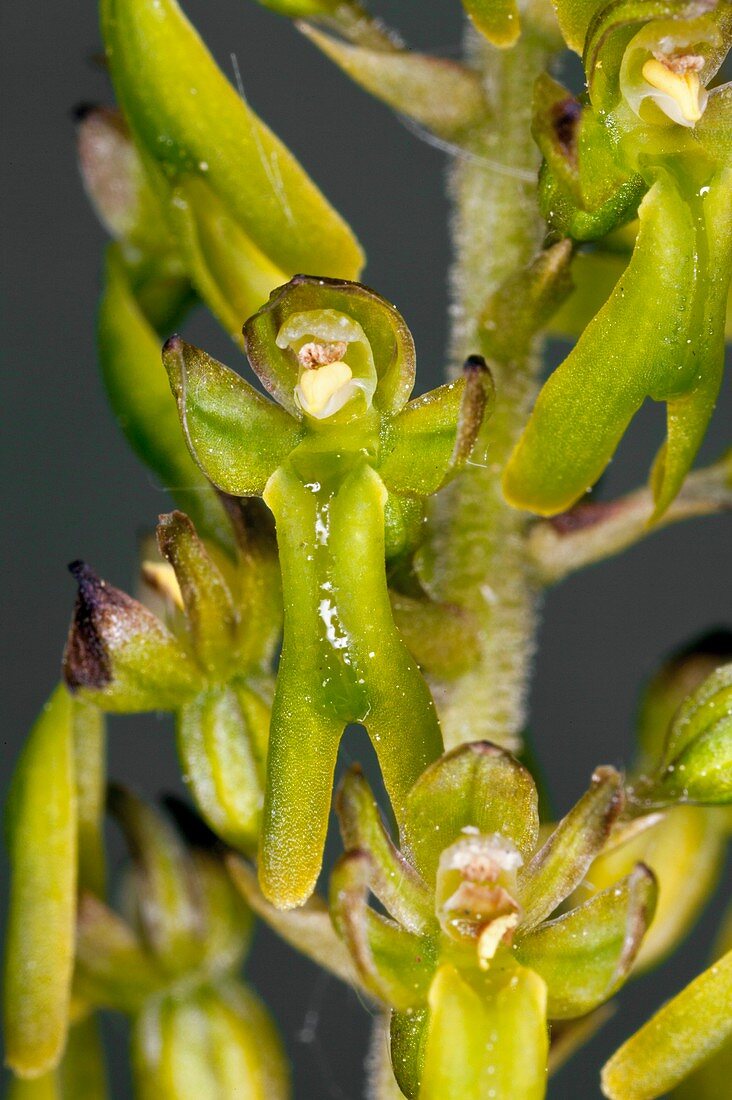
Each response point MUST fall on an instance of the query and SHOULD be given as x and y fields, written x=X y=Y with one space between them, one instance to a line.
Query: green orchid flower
x=471 y=958
x=344 y=464
x=206 y=656
x=650 y=129
x=173 y=968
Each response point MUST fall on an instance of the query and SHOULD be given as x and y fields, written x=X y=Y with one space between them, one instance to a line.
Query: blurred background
x=72 y=488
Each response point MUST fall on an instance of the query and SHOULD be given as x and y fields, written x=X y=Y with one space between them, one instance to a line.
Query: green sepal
x=42 y=845
x=139 y=391
x=561 y=863
x=393 y=880
x=585 y=407
x=681 y=1036
x=117 y=184
x=191 y=122
x=217 y=1041
x=432 y=437
x=497 y=20
x=441 y=95
x=114 y=970
x=167 y=902
x=394 y=965
x=476 y=785
x=224 y=763
x=684 y=847
x=697 y=761
x=585 y=955
x=493 y=1037
x=237 y=437
x=389 y=338
x=119 y=655
x=342 y=661
x=210 y=613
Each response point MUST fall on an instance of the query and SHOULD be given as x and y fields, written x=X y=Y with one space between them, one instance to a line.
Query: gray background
x=72 y=489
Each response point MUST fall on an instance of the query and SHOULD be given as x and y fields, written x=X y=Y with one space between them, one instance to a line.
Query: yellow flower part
x=680 y=93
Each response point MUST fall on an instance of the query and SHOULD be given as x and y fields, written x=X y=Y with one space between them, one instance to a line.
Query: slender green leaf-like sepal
x=476 y=785
x=679 y=1038
x=444 y=96
x=223 y=763
x=119 y=655
x=42 y=843
x=432 y=437
x=209 y=607
x=498 y=20
x=139 y=391
x=684 y=848
x=393 y=964
x=186 y=117
x=585 y=955
x=392 y=879
x=478 y=1040
x=237 y=437
x=560 y=865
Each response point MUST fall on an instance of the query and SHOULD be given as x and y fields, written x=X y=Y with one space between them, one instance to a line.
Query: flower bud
x=193 y=126
x=119 y=655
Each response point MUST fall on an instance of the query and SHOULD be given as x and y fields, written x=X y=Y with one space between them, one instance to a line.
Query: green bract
x=470 y=961
x=642 y=126
x=343 y=463
x=201 y=140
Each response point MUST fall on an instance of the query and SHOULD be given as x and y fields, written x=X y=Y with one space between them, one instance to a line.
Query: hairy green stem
x=478 y=555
